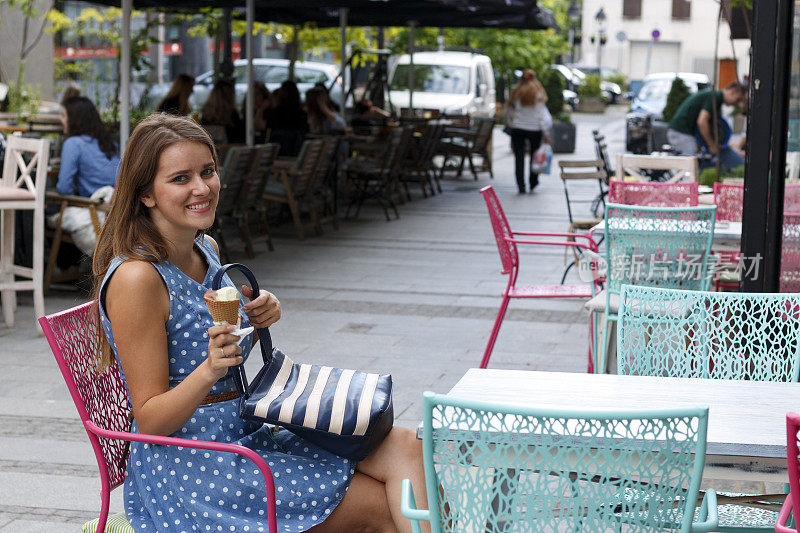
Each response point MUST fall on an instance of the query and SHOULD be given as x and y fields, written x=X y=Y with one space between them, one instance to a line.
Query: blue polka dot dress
x=181 y=489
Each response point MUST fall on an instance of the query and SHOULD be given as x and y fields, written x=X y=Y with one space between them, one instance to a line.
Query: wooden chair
x=232 y=175
x=321 y=188
x=465 y=144
x=59 y=236
x=420 y=168
x=22 y=188
x=292 y=183
x=574 y=172
x=378 y=179
x=101 y=398
x=250 y=205
x=683 y=168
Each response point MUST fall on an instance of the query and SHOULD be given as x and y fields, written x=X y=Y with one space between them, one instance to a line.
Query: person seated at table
x=220 y=110
x=262 y=99
x=321 y=118
x=287 y=121
x=696 y=114
x=176 y=101
x=176 y=364
x=89 y=155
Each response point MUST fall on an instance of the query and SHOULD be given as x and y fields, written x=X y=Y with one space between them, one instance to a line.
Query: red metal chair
x=653 y=194
x=507 y=242
x=728 y=198
x=102 y=402
x=791 y=507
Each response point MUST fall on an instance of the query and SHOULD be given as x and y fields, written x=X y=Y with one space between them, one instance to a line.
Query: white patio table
x=746 y=424
x=724 y=232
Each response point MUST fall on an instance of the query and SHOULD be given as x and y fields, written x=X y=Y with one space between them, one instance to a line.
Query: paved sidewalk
x=414 y=297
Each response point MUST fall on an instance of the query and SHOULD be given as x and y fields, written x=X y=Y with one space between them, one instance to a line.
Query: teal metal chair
x=652 y=246
x=712 y=335
x=502 y=468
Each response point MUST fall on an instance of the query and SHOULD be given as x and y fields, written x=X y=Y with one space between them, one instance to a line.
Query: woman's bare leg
x=398 y=457
x=364 y=509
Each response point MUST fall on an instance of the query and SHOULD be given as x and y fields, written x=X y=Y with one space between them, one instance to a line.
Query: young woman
x=152 y=266
x=89 y=155
x=321 y=118
x=530 y=123
x=176 y=101
x=220 y=110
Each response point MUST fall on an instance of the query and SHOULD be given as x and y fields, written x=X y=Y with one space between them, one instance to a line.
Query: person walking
x=530 y=122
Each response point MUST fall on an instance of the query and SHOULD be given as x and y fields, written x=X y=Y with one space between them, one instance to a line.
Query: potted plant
x=591 y=95
x=562 y=135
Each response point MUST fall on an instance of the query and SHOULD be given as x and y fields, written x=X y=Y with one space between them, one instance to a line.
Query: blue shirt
x=84 y=168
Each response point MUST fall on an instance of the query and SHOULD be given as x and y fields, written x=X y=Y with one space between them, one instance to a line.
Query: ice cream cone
x=222 y=310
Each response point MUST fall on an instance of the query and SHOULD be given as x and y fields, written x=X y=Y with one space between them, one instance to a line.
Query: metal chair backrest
x=509 y=256
x=658 y=246
x=710 y=335
x=791 y=198
x=578 y=170
x=394 y=156
x=306 y=165
x=729 y=198
x=233 y=177
x=258 y=176
x=793 y=460
x=429 y=144
x=790 y=253
x=500 y=467
x=99 y=397
x=653 y=194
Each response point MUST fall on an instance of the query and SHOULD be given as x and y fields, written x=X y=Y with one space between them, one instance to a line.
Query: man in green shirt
x=696 y=114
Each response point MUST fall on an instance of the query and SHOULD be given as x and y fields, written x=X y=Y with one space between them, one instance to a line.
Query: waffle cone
x=223 y=310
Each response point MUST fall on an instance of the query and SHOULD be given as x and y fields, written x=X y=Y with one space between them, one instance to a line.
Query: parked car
x=272 y=72
x=612 y=91
x=571 y=83
x=644 y=130
x=460 y=83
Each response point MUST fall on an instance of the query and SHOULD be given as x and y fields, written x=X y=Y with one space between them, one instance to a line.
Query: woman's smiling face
x=185 y=190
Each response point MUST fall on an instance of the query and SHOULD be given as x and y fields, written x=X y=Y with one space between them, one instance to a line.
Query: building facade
x=647 y=36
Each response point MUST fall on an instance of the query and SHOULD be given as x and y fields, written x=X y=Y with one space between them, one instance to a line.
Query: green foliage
x=23 y=99
x=620 y=79
x=591 y=87
x=709 y=175
x=678 y=92
x=553 y=85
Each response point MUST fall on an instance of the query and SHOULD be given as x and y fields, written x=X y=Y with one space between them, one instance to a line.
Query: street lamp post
x=574 y=14
x=600 y=17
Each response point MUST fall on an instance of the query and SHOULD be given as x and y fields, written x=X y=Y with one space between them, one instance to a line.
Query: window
x=681 y=9
x=433 y=79
x=632 y=9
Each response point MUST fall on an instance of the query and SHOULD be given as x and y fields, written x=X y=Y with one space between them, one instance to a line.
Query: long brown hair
x=221 y=104
x=182 y=87
x=528 y=91
x=129 y=229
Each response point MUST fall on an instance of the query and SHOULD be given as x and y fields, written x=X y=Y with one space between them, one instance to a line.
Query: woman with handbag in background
x=152 y=267
x=529 y=122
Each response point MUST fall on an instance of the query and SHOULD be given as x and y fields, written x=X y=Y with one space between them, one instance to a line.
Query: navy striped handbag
x=346 y=412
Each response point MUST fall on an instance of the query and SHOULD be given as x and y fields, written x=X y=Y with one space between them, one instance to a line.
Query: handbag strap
x=264 y=337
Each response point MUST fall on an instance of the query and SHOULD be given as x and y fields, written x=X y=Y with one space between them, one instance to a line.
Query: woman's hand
x=223 y=352
x=263 y=311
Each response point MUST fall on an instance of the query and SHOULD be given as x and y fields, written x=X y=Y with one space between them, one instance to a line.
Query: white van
x=451 y=82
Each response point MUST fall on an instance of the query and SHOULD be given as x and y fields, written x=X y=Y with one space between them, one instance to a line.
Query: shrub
x=620 y=79
x=709 y=175
x=591 y=87
x=553 y=86
x=678 y=92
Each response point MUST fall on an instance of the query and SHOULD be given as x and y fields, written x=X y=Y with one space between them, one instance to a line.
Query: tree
x=554 y=86
x=678 y=92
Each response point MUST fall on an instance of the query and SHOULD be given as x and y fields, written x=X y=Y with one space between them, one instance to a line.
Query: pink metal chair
x=728 y=198
x=653 y=194
x=102 y=402
x=791 y=507
x=790 y=253
x=507 y=242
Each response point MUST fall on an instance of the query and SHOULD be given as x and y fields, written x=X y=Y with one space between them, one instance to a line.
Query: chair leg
x=38 y=265
x=315 y=219
x=7 y=296
x=55 y=246
x=472 y=166
x=298 y=224
x=602 y=355
x=590 y=365
x=244 y=234
x=495 y=331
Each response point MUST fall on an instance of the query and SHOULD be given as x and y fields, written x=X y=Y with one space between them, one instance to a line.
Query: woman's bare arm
x=137 y=303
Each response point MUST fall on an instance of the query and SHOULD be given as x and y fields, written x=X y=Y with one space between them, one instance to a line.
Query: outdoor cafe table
x=746 y=422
